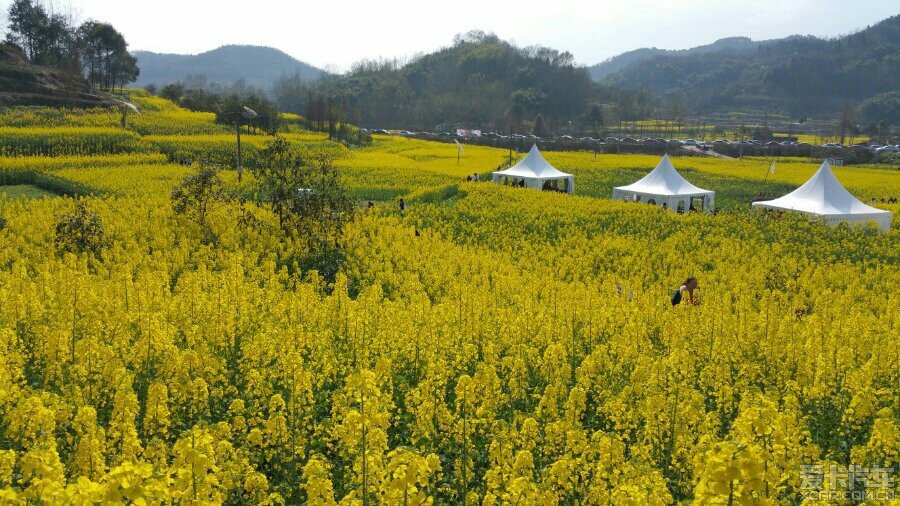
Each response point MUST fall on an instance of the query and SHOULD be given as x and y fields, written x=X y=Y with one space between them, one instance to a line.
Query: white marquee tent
x=533 y=171
x=824 y=196
x=664 y=186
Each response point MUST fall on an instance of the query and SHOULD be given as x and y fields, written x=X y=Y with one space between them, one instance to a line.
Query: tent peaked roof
x=823 y=195
x=664 y=180
x=533 y=166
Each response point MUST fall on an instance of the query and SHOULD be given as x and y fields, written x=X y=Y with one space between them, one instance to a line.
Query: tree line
x=93 y=48
x=480 y=80
x=316 y=112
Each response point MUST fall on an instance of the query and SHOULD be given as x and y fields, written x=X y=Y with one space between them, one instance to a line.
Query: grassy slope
x=24 y=191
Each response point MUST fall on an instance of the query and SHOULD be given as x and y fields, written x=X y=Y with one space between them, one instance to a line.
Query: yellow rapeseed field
x=491 y=345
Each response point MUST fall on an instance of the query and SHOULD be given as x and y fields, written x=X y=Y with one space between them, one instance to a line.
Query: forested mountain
x=258 y=66
x=800 y=75
x=478 y=81
x=624 y=60
x=482 y=81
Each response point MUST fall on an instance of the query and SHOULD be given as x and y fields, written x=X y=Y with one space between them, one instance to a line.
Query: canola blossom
x=491 y=345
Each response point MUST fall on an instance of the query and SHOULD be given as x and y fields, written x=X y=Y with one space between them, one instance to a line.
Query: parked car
x=832 y=145
x=612 y=140
x=689 y=142
x=772 y=144
x=722 y=141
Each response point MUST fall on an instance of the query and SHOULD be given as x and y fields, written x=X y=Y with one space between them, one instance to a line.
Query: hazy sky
x=338 y=33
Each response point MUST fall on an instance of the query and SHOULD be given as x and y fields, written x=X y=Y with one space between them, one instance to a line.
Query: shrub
x=80 y=231
x=197 y=194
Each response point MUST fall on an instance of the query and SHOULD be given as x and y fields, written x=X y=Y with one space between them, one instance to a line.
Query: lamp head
x=130 y=106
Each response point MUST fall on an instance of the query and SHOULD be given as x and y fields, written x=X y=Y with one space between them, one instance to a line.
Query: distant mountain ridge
x=258 y=66
x=620 y=62
x=804 y=75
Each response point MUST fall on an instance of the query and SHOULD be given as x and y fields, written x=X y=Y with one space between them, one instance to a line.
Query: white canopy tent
x=533 y=171
x=824 y=196
x=665 y=187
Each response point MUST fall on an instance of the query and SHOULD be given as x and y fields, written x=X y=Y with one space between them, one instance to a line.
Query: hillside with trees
x=479 y=81
x=47 y=59
x=797 y=75
x=624 y=60
x=23 y=83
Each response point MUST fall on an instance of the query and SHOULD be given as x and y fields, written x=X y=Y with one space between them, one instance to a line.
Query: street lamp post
x=125 y=107
x=247 y=113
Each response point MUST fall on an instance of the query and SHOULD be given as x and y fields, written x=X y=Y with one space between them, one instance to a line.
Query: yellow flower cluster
x=79 y=141
x=520 y=348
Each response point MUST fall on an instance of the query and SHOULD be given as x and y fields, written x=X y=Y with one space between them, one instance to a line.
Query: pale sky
x=335 y=34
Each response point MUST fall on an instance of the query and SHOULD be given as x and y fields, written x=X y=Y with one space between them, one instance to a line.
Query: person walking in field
x=689 y=285
x=402 y=206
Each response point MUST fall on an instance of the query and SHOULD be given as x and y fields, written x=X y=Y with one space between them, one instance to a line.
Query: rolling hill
x=624 y=60
x=479 y=80
x=259 y=66
x=802 y=75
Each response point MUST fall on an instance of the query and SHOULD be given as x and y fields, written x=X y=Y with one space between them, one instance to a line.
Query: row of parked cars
x=878 y=148
x=889 y=148
x=531 y=137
